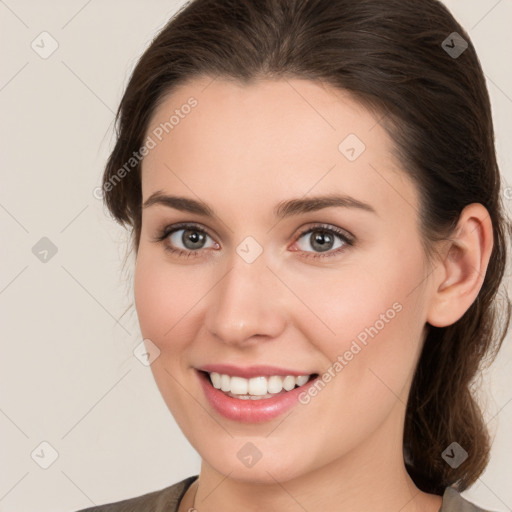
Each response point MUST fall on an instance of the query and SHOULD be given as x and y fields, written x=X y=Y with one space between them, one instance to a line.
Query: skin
x=242 y=150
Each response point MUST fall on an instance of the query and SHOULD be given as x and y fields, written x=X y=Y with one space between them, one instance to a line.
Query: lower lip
x=250 y=411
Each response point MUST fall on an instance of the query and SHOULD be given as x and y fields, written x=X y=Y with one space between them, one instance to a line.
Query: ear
x=460 y=272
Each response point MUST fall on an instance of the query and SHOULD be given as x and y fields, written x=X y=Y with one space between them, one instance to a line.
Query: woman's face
x=251 y=289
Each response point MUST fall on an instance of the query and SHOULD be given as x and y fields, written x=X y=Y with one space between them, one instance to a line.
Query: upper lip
x=251 y=371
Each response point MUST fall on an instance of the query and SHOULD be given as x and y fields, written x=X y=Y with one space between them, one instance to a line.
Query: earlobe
x=461 y=270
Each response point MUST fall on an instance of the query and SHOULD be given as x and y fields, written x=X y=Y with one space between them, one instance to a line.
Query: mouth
x=258 y=387
x=254 y=404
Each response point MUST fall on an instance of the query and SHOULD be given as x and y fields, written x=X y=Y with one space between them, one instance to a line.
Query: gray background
x=68 y=375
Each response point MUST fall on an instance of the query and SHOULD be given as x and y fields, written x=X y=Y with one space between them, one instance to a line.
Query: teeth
x=239 y=386
x=275 y=384
x=302 y=379
x=289 y=383
x=256 y=386
x=224 y=382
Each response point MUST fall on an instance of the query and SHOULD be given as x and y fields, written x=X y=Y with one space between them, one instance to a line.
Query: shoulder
x=162 y=500
x=454 y=502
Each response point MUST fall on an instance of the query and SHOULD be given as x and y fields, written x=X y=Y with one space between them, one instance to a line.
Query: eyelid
x=343 y=233
x=171 y=228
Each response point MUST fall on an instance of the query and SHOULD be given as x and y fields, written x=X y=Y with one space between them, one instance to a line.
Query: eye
x=185 y=239
x=322 y=238
x=192 y=239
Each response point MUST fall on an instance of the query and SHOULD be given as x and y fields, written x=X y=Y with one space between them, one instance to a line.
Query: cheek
x=370 y=356
x=164 y=297
x=152 y=295
x=164 y=300
x=368 y=322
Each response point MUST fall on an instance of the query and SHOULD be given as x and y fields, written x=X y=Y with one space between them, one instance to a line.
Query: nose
x=247 y=305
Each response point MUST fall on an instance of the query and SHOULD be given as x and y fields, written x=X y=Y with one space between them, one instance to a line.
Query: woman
x=314 y=199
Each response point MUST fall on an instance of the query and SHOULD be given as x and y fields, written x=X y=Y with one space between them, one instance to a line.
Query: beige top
x=168 y=500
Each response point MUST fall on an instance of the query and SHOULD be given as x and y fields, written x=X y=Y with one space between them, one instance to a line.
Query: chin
x=281 y=468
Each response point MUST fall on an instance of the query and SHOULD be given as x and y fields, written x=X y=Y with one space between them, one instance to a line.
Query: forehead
x=271 y=139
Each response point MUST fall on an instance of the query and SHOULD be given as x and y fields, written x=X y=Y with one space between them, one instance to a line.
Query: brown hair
x=390 y=55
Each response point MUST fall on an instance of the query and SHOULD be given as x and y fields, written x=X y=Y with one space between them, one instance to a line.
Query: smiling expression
x=301 y=231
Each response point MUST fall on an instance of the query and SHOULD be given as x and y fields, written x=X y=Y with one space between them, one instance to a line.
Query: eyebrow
x=283 y=209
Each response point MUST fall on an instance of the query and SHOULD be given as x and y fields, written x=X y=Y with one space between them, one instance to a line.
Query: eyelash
x=166 y=232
